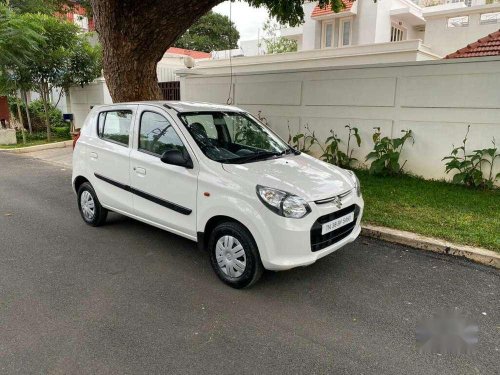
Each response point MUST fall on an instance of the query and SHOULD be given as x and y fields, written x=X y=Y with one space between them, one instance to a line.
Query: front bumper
x=287 y=243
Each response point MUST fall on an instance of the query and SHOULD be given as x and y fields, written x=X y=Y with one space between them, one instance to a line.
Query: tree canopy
x=67 y=59
x=212 y=32
x=41 y=52
x=19 y=37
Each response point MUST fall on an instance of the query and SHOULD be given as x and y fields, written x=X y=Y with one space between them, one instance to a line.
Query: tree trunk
x=44 y=92
x=135 y=34
x=25 y=100
x=19 y=112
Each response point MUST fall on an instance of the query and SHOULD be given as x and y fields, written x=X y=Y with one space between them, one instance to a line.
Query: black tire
x=253 y=270
x=100 y=213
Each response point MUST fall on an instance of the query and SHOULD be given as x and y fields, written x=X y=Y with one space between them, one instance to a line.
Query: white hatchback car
x=218 y=176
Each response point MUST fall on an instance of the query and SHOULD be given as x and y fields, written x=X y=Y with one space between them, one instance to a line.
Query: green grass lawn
x=33 y=143
x=433 y=208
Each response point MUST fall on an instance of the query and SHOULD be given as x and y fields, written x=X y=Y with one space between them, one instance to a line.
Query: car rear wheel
x=234 y=255
x=90 y=208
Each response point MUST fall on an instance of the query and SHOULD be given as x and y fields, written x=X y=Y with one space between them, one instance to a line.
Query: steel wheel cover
x=231 y=257
x=88 y=205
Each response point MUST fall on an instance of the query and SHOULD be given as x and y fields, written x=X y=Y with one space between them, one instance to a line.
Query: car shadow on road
x=332 y=267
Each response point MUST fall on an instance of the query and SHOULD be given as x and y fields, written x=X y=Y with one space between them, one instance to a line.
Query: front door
x=163 y=194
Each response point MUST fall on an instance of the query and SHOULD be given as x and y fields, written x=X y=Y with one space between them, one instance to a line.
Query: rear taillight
x=76 y=135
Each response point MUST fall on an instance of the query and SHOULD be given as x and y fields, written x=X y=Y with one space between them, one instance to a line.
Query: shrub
x=331 y=151
x=36 y=136
x=334 y=155
x=470 y=167
x=37 y=115
x=55 y=114
x=57 y=134
x=386 y=153
x=61 y=132
x=302 y=141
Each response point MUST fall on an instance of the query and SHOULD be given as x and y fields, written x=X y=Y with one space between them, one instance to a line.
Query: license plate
x=337 y=223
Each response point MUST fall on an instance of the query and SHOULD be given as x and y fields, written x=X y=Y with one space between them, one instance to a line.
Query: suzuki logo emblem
x=338 y=202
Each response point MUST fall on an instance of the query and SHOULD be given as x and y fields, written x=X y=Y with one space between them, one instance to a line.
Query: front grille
x=334 y=198
x=319 y=241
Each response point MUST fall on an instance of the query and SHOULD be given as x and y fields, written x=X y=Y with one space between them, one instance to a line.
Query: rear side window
x=114 y=126
x=156 y=135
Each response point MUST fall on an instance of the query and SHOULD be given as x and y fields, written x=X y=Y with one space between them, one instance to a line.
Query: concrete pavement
x=129 y=298
x=59 y=156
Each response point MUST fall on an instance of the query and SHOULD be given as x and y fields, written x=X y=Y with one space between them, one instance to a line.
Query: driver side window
x=156 y=135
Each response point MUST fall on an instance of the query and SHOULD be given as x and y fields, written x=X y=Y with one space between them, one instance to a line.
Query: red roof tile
x=487 y=46
x=187 y=52
x=318 y=11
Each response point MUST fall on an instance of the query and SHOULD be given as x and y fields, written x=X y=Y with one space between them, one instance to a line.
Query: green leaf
x=459 y=178
x=397 y=142
x=372 y=155
x=358 y=138
x=297 y=137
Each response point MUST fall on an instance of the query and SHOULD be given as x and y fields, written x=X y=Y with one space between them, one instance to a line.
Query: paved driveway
x=58 y=156
x=129 y=298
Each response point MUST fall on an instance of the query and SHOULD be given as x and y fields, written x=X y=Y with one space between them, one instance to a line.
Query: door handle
x=93 y=155
x=140 y=171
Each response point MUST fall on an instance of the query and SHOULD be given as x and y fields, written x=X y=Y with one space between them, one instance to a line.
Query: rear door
x=164 y=194
x=109 y=156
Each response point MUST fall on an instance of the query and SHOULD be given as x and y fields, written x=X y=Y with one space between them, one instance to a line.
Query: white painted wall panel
x=276 y=93
x=208 y=92
x=373 y=92
x=451 y=91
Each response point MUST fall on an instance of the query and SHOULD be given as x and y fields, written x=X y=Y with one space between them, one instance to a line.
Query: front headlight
x=283 y=203
x=355 y=181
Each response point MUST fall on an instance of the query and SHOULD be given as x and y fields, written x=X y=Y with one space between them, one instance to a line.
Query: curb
x=25 y=150
x=476 y=254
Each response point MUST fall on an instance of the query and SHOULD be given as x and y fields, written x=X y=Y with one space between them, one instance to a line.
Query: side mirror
x=177 y=157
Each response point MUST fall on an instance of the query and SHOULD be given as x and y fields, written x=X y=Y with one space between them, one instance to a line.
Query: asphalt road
x=129 y=298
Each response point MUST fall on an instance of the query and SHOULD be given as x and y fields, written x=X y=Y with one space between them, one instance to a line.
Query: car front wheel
x=234 y=255
x=91 y=210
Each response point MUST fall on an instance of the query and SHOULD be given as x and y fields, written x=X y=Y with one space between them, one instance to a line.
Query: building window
x=345 y=32
x=328 y=34
x=487 y=18
x=81 y=21
x=398 y=33
x=462 y=21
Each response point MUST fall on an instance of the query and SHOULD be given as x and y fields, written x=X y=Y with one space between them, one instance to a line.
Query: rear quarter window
x=114 y=126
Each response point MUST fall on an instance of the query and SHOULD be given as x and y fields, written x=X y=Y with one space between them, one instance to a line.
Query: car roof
x=185 y=106
x=188 y=106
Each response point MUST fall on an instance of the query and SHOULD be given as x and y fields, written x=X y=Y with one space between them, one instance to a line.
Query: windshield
x=231 y=137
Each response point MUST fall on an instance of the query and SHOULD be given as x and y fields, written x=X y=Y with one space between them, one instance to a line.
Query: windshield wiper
x=257 y=155
x=291 y=150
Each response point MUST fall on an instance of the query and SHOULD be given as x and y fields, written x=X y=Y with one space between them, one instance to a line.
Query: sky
x=248 y=20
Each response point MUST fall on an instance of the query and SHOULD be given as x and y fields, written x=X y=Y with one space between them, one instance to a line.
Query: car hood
x=301 y=175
